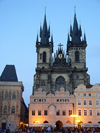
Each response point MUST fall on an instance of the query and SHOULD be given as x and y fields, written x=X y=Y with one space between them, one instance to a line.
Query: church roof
x=9 y=74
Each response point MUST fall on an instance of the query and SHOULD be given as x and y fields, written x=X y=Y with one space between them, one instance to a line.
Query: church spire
x=44 y=33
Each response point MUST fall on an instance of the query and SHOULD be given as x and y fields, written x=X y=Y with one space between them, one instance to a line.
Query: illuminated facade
x=87 y=103
x=13 y=111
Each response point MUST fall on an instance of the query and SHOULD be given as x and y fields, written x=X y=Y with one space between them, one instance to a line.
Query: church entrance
x=3 y=124
x=59 y=124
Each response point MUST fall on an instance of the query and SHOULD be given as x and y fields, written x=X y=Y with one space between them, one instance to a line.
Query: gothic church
x=65 y=70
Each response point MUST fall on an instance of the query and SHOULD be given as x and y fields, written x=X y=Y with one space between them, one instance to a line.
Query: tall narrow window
x=14 y=95
x=70 y=112
x=76 y=56
x=64 y=112
x=85 y=112
x=1 y=109
x=8 y=109
x=13 y=110
x=79 y=112
x=2 y=95
x=33 y=112
x=90 y=112
x=39 y=112
x=5 y=109
x=57 y=112
x=44 y=56
x=45 y=112
x=6 y=95
x=84 y=102
x=60 y=82
x=9 y=95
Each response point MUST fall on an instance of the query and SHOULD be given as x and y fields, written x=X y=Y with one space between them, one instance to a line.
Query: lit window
x=66 y=100
x=79 y=102
x=70 y=112
x=45 y=112
x=97 y=102
x=90 y=102
x=89 y=94
x=96 y=94
x=33 y=112
x=79 y=94
x=35 y=100
x=84 y=94
x=39 y=112
x=61 y=100
x=64 y=112
x=79 y=112
x=90 y=112
x=85 y=112
x=98 y=112
x=43 y=100
x=84 y=102
x=58 y=112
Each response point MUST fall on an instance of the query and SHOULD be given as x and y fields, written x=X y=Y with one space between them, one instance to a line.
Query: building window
x=84 y=102
x=13 y=110
x=64 y=112
x=96 y=94
x=66 y=100
x=79 y=112
x=1 y=109
x=85 y=112
x=90 y=112
x=89 y=94
x=5 y=109
x=39 y=100
x=79 y=94
x=60 y=82
x=9 y=95
x=39 y=112
x=14 y=95
x=76 y=56
x=8 y=109
x=6 y=95
x=44 y=57
x=35 y=100
x=43 y=83
x=45 y=112
x=79 y=102
x=97 y=102
x=98 y=112
x=61 y=100
x=43 y=100
x=84 y=94
x=58 y=112
x=33 y=112
x=40 y=56
x=90 y=102
x=57 y=100
x=70 y=112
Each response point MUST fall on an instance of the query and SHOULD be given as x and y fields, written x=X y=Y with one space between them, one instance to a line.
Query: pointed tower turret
x=85 y=38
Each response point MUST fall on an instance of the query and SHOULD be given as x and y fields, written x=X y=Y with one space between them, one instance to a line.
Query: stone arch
x=60 y=82
x=89 y=122
x=99 y=122
x=59 y=124
x=45 y=122
x=4 y=123
x=68 y=121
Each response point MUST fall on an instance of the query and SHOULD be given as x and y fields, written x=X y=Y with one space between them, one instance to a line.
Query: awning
x=69 y=125
x=41 y=124
x=91 y=124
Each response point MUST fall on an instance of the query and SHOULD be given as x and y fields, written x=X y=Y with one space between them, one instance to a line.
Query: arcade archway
x=59 y=124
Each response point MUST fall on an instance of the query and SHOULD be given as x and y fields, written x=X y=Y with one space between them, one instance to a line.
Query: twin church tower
x=65 y=70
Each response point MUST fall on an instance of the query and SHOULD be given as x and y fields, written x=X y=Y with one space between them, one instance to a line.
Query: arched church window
x=5 y=109
x=13 y=110
x=6 y=95
x=44 y=56
x=8 y=109
x=14 y=95
x=60 y=82
x=43 y=83
x=77 y=56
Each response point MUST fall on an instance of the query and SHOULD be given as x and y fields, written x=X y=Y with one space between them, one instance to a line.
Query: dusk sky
x=20 y=23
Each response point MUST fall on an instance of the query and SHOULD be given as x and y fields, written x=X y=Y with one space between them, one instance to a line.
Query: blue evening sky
x=20 y=23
